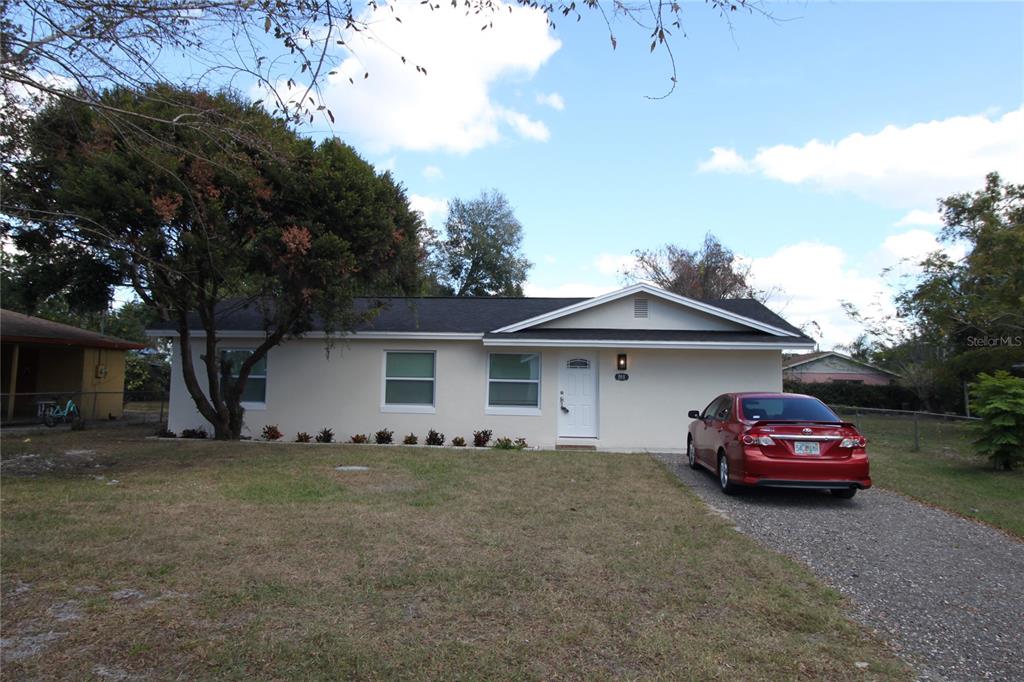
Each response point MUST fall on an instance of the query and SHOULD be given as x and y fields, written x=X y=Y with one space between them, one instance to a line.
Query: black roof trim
x=464 y=315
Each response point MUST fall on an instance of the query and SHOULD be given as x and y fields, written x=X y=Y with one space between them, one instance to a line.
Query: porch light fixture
x=620 y=362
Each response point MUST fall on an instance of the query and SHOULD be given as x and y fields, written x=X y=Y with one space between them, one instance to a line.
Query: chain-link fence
x=914 y=431
x=20 y=409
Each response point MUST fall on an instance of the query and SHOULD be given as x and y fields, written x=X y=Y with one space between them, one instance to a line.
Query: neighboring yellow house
x=45 y=361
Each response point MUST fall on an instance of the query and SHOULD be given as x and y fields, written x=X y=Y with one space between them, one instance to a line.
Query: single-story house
x=614 y=371
x=829 y=366
x=45 y=362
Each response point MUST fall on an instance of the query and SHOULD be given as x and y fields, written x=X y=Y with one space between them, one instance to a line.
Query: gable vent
x=639 y=307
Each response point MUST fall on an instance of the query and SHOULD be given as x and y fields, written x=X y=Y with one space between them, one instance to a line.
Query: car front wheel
x=691 y=453
x=723 y=475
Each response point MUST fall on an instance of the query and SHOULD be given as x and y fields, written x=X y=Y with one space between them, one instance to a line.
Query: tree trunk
x=188 y=371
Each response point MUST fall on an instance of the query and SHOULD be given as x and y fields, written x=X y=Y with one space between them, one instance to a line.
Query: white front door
x=577 y=395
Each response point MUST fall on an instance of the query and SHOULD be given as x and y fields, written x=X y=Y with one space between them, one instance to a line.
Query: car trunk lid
x=803 y=440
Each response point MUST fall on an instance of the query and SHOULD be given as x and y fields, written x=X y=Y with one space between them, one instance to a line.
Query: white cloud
x=428 y=206
x=525 y=126
x=432 y=173
x=451 y=107
x=902 y=253
x=911 y=245
x=614 y=263
x=553 y=100
x=570 y=290
x=814 y=279
x=549 y=259
x=920 y=217
x=724 y=160
x=900 y=166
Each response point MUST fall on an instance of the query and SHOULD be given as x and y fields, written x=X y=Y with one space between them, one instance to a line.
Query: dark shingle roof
x=755 y=310
x=451 y=314
x=19 y=328
x=458 y=315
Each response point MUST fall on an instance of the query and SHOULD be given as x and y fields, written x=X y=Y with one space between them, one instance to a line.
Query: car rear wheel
x=691 y=453
x=843 y=493
x=723 y=475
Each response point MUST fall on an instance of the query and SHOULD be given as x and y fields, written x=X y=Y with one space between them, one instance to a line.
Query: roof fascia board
x=781 y=344
x=653 y=291
x=49 y=341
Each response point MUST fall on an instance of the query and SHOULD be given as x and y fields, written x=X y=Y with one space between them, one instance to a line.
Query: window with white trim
x=513 y=380
x=255 y=390
x=409 y=378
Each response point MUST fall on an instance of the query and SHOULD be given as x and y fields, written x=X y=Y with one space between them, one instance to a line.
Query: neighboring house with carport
x=614 y=371
x=831 y=367
x=44 y=362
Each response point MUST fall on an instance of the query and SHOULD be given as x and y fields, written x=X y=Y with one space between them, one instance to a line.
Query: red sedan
x=783 y=440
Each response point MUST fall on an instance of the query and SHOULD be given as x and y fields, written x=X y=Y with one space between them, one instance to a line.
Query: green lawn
x=250 y=560
x=944 y=473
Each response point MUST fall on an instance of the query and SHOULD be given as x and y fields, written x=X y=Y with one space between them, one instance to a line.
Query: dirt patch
x=377 y=481
x=65 y=611
x=113 y=672
x=17 y=647
x=68 y=463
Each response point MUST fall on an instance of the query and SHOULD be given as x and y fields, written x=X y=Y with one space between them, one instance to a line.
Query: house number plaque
x=622 y=376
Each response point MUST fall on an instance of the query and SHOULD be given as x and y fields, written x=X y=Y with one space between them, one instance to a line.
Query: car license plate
x=807 y=448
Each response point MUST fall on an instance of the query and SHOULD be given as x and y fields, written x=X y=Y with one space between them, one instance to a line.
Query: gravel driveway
x=947 y=592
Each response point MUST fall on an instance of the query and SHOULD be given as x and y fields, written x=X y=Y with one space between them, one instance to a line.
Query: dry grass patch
x=244 y=561
x=945 y=472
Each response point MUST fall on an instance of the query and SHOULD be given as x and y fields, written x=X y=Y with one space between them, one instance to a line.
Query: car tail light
x=853 y=442
x=756 y=440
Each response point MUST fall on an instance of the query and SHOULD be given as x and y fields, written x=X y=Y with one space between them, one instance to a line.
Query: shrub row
x=890 y=397
x=271 y=432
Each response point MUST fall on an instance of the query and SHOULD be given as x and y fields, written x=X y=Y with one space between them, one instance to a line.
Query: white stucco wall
x=306 y=391
x=661 y=314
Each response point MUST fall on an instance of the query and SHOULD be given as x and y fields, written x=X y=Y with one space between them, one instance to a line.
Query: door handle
x=561 y=401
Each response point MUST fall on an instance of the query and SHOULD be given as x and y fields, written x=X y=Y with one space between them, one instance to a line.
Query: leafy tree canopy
x=191 y=215
x=480 y=251
x=962 y=316
x=709 y=272
x=974 y=306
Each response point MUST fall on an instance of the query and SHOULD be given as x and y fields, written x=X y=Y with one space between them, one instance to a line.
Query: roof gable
x=830 y=361
x=665 y=311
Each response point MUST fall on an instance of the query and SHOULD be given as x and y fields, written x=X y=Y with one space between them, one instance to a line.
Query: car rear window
x=787 y=409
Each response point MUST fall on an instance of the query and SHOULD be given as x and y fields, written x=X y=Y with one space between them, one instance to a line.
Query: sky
x=814 y=143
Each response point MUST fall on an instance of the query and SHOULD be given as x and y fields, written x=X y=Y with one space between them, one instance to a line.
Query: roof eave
x=367 y=335
x=780 y=344
x=72 y=343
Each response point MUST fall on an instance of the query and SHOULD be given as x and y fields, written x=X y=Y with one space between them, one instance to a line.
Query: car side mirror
x=693 y=414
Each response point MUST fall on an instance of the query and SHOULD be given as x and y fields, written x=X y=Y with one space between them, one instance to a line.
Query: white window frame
x=401 y=407
x=508 y=410
x=265 y=376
